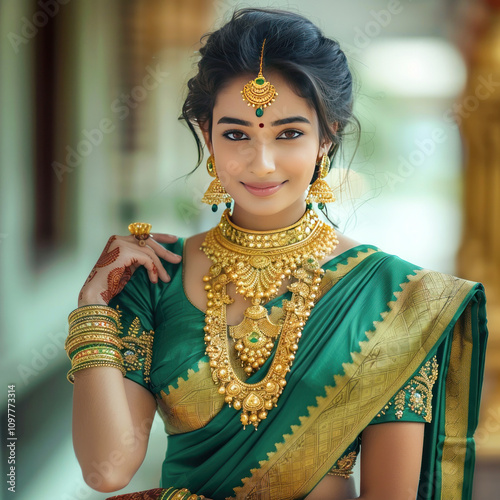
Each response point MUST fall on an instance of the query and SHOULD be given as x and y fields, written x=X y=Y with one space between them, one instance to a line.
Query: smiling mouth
x=264 y=189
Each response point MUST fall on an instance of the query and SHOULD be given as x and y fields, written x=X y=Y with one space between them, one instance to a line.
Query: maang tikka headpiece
x=259 y=93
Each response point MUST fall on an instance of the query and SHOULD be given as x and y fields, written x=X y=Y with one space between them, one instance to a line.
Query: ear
x=206 y=136
x=325 y=146
x=323 y=150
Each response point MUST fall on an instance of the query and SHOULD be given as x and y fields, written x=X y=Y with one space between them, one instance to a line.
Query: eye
x=235 y=135
x=290 y=134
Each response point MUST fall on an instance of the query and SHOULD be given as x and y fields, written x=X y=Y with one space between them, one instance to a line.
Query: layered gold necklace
x=258 y=262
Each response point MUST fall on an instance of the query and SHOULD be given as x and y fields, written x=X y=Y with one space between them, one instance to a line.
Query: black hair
x=314 y=65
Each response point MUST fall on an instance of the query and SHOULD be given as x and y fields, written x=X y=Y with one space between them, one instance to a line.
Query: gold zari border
x=456 y=418
x=395 y=348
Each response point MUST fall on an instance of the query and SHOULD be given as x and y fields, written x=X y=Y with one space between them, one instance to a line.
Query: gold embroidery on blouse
x=420 y=392
x=138 y=347
x=344 y=466
x=386 y=407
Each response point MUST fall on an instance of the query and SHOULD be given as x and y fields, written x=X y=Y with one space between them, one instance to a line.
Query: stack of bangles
x=179 y=494
x=93 y=339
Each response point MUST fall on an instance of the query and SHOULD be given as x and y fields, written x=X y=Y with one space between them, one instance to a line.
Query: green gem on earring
x=309 y=206
x=215 y=208
x=228 y=204
x=321 y=206
x=259 y=112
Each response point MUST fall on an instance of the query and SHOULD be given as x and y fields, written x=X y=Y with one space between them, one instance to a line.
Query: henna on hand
x=104 y=260
x=117 y=279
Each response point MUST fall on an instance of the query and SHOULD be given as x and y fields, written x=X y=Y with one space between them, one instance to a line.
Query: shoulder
x=195 y=239
x=192 y=245
x=345 y=244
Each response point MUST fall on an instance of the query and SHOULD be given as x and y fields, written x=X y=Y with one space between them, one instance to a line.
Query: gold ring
x=140 y=230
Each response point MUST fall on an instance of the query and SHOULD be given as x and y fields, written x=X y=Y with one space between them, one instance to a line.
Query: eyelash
x=227 y=134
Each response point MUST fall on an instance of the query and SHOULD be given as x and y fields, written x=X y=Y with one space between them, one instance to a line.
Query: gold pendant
x=256 y=400
x=255 y=337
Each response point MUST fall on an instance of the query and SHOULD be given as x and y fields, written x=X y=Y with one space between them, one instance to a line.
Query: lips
x=264 y=188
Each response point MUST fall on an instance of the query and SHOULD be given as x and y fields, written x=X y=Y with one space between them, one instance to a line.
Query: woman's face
x=266 y=163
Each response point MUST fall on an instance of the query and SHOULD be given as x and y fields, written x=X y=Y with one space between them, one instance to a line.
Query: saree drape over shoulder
x=380 y=332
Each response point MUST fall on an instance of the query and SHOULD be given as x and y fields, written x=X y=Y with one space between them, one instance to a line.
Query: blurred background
x=90 y=94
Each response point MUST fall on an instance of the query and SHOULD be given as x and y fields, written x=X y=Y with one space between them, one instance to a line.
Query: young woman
x=272 y=346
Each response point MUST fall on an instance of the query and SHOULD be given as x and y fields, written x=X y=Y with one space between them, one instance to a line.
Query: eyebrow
x=291 y=119
x=235 y=121
x=282 y=121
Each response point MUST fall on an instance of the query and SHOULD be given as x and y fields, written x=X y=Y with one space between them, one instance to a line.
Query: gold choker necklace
x=257 y=262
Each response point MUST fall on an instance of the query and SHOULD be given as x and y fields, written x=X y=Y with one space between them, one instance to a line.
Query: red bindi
x=261 y=125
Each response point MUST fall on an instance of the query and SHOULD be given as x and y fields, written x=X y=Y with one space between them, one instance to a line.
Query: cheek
x=231 y=159
x=301 y=164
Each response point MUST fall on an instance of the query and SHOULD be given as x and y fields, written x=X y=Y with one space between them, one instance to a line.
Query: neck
x=266 y=222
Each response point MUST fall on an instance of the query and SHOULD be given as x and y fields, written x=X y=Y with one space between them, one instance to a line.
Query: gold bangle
x=181 y=494
x=70 y=373
x=97 y=350
x=92 y=358
x=91 y=343
x=92 y=310
x=89 y=333
x=84 y=328
x=94 y=340
x=104 y=351
x=89 y=338
x=99 y=362
x=93 y=319
x=94 y=324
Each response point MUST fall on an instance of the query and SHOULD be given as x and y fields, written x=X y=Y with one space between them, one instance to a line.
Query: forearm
x=108 y=447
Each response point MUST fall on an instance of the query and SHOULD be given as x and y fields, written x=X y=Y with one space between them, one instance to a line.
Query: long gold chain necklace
x=257 y=263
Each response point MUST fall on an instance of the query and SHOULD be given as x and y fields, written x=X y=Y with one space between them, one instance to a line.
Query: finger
x=149 y=264
x=172 y=257
x=164 y=238
x=157 y=269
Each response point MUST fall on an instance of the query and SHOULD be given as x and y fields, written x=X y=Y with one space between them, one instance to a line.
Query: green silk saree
x=378 y=320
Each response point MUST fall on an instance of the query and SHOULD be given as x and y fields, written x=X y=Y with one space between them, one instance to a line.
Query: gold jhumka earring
x=320 y=192
x=259 y=93
x=215 y=193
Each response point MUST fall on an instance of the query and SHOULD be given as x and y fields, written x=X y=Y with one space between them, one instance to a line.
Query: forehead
x=287 y=103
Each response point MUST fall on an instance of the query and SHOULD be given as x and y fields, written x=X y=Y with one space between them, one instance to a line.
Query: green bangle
x=91 y=346
x=169 y=493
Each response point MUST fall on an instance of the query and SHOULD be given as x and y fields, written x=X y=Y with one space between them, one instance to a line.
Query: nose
x=263 y=161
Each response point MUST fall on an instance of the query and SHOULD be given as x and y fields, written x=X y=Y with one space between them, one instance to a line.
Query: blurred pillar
x=479 y=255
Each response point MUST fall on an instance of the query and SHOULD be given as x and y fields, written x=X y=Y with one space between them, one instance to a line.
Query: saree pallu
x=377 y=321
